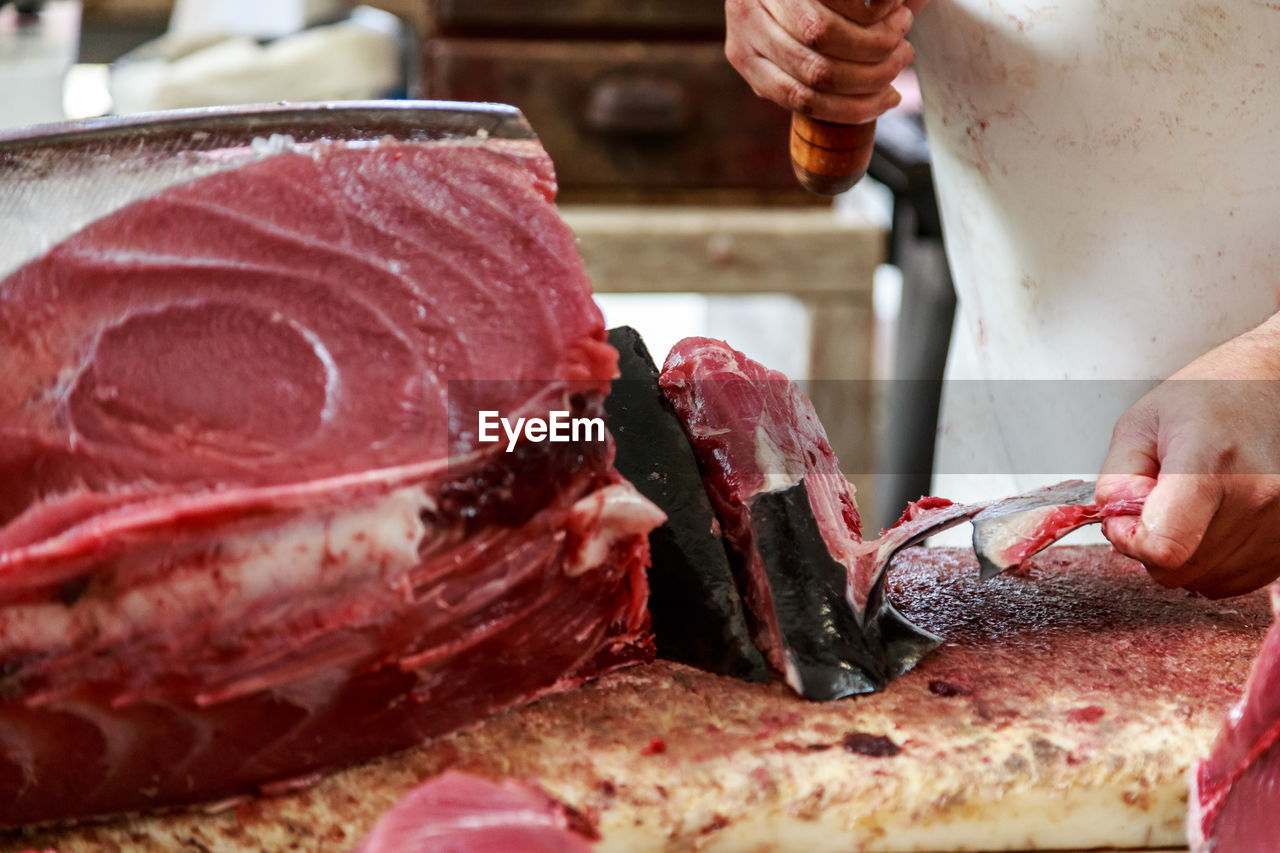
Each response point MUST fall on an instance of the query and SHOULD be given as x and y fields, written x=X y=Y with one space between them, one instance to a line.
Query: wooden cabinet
x=634 y=101
x=585 y=18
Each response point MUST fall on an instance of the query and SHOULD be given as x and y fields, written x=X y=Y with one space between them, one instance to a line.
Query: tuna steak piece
x=248 y=531
x=458 y=813
x=1235 y=791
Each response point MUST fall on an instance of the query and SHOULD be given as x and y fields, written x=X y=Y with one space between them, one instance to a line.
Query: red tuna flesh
x=1009 y=531
x=458 y=813
x=247 y=531
x=1235 y=791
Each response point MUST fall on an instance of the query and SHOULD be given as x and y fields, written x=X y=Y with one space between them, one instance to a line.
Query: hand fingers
x=1179 y=506
x=1129 y=535
x=1239 y=555
x=823 y=73
x=769 y=81
x=807 y=57
x=1123 y=486
x=825 y=31
x=1174 y=521
x=1129 y=471
x=916 y=5
x=863 y=11
x=1120 y=531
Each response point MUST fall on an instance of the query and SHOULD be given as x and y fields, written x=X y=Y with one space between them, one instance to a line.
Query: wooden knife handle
x=830 y=158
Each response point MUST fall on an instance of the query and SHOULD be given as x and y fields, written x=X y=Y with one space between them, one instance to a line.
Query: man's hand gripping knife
x=833 y=60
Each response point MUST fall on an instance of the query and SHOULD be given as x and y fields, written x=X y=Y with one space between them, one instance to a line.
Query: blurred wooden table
x=825 y=259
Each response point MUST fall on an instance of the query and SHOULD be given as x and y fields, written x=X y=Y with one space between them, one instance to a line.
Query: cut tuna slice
x=458 y=813
x=1009 y=531
x=1235 y=790
x=248 y=529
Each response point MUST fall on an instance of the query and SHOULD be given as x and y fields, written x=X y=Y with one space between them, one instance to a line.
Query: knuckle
x=737 y=10
x=1228 y=457
x=861 y=111
x=817 y=72
x=1165 y=554
x=814 y=30
x=1266 y=490
x=901 y=20
x=1106 y=490
x=885 y=74
x=1128 y=425
x=733 y=53
x=884 y=42
x=799 y=98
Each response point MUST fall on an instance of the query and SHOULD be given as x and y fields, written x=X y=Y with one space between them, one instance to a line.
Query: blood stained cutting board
x=1062 y=712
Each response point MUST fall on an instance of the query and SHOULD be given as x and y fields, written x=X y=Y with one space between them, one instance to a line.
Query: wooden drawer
x=579 y=17
x=627 y=119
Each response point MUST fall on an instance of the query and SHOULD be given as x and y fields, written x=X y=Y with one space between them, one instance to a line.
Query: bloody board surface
x=1062 y=712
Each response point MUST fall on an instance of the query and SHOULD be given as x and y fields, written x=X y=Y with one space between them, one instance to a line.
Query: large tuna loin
x=1235 y=791
x=247 y=529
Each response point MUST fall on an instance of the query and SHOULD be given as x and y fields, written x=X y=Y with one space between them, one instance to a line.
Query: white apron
x=1109 y=178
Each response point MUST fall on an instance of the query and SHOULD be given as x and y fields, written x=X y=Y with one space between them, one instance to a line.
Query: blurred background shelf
x=811 y=273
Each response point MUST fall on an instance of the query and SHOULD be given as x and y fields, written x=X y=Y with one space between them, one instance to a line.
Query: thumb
x=1129 y=472
x=1174 y=521
x=1132 y=462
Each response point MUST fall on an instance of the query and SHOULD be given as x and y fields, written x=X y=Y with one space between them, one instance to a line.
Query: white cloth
x=1109 y=178
x=352 y=59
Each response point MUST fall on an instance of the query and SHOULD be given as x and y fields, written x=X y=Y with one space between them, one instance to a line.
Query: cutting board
x=1062 y=712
